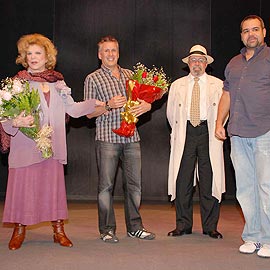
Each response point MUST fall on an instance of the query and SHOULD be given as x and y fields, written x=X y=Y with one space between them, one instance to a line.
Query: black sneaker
x=109 y=237
x=142 y=234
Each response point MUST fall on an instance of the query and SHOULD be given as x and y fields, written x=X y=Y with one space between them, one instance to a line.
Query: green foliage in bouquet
x=154 y=77
x=16 y=97
x=22 y=99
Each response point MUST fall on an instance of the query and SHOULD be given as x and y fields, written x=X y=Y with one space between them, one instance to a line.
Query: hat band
x=197 y=52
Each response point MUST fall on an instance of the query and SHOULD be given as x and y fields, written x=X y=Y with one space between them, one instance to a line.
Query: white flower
x=6 y=95
x=17 y=86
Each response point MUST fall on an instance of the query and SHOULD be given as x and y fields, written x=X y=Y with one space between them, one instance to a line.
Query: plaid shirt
x=103 y=86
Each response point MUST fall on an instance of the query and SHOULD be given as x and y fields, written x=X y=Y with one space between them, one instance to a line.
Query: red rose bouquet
x=146 y=84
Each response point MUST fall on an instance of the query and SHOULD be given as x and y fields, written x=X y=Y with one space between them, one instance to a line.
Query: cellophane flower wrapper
x=16 y=97
x=145 y=84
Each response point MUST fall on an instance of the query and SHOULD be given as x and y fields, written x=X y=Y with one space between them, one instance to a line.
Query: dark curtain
x=153 y=32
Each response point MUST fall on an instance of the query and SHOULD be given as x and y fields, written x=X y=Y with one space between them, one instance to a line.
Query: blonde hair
x=107 y=39
x=36 y=39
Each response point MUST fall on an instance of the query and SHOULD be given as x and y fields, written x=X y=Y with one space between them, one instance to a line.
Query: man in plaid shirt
x=108 y=84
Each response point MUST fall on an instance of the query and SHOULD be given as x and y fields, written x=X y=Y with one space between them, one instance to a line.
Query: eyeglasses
x=200 y=60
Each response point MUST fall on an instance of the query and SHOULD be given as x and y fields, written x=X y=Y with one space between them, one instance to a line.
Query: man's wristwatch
x=107 y=106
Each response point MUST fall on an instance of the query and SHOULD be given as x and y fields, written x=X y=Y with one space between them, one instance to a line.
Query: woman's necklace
x=44 y=87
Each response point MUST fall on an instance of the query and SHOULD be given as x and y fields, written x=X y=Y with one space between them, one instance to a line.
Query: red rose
x=144 y=74
x=155 y=78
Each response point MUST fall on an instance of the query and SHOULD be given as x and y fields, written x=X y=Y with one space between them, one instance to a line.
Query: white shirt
x=202 y=83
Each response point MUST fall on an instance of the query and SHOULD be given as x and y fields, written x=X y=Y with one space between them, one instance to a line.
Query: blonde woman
x=36 y=188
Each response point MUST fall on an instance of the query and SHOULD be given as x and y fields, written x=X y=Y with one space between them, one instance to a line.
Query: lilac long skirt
x=36 y=193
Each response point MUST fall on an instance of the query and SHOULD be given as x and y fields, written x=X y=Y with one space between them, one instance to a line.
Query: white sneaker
x=142 y=234
x=264 y=251
x=249 y=247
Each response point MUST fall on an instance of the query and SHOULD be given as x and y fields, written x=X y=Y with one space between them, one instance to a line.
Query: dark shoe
x=109 y=237
x=214 y=234
x=17 y=237
x=178 y=232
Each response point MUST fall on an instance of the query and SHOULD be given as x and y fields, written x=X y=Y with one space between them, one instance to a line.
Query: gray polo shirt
x=249 y=85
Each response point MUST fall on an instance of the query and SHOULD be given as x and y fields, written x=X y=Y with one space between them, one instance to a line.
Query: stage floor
x=189 y=252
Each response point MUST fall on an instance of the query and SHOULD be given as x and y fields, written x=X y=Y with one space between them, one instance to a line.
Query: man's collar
x=256 y=50
x=108 y=70
x=202 y=78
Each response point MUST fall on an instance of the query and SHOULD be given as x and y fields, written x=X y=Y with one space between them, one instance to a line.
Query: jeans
x=109 y=155
x=251 y=160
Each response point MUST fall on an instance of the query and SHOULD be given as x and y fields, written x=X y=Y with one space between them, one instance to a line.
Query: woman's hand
x=99 y=103
x=23 y=121
x=117 y=102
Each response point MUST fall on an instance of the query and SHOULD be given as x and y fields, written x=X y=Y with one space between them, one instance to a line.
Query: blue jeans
x=251 y=160
x=109 y=155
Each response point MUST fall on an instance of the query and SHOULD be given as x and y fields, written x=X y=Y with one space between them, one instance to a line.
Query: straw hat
x=198 y=50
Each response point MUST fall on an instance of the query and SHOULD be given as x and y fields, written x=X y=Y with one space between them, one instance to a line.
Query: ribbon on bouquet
x=135 y=91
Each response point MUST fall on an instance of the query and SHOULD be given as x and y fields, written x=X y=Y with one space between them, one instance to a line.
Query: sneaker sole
x=110 y=241
x=262 y=256
x=244 y=252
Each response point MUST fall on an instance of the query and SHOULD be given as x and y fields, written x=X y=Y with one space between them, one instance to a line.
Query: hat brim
x=209 y=58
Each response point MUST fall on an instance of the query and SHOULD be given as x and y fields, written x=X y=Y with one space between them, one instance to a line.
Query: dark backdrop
x=154 y=32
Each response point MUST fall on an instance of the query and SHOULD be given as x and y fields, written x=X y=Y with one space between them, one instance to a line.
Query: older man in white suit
x=196 y=154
